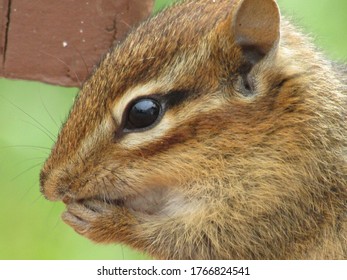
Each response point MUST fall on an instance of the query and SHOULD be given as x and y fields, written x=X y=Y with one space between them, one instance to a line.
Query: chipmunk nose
x=51 y=186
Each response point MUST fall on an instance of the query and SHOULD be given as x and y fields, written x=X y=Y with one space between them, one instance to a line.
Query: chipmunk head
x=192 y=124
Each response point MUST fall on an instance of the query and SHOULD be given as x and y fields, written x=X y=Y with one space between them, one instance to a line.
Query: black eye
x=143 y=113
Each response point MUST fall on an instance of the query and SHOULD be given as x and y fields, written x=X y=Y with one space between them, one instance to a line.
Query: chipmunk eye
x=143 y=113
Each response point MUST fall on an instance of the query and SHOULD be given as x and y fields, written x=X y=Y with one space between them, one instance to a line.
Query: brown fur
x=238 y=174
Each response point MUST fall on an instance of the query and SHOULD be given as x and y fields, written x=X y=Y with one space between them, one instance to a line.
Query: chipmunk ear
x=256 y=28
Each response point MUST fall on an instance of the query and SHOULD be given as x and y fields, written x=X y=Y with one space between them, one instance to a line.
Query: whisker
x=38 y=197
x=127 y=24
x=49 y=114
x=39 y=128
x=26 y=170
x=83 y=60
x=30 y=159
x=27 y=147
x=64 y=63
x=29 y=189
x=21 y=162
x=49 y=215
x=31 y=117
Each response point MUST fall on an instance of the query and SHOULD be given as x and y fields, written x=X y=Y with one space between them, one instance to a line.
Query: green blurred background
x=30 y=227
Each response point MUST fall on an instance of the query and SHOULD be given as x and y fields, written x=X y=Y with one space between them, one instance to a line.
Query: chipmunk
x=215 y=130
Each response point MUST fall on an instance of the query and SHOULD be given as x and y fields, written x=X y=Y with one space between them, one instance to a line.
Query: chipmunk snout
x=50 y=186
